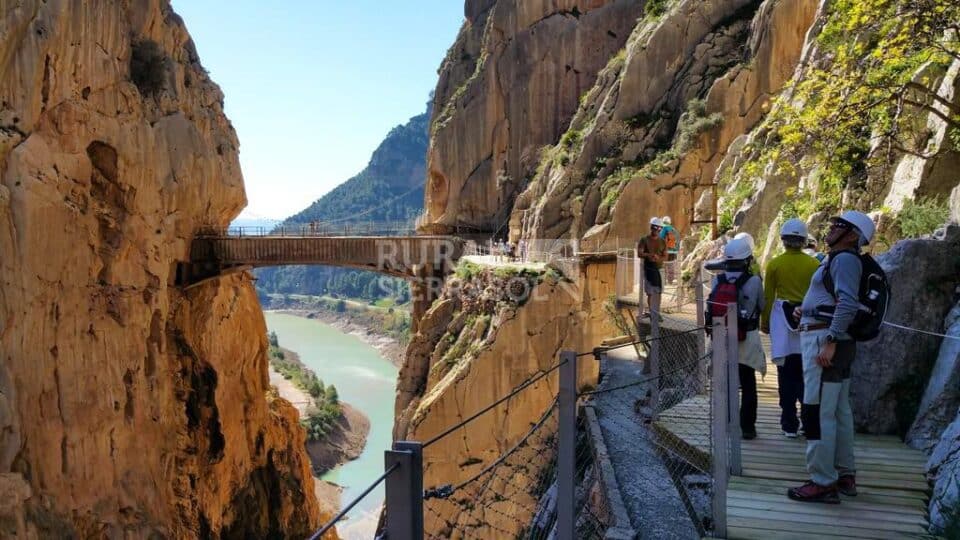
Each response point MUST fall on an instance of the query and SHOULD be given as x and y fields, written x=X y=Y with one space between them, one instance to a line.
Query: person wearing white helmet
x=754 y=266
x=672 y=239
x=785 y=284
x=737 y=284
x=827 y=311
x=653 y=250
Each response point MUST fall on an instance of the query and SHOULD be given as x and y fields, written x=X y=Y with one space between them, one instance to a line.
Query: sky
x=313 y=86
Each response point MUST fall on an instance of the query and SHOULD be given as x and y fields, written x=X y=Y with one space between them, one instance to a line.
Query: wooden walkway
x=893 y=490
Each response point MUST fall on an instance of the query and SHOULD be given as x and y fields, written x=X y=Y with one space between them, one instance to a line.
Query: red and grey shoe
x=847 y=485
x=811 y=492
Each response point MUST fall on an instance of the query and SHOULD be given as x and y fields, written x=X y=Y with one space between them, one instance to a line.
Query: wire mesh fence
x=649 y=447
x=509 y=497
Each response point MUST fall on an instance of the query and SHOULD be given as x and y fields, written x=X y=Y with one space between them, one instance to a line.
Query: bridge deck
x=396 y=255
x=893 y=490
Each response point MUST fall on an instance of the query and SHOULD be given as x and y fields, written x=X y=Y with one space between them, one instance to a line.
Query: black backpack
x=874 y=296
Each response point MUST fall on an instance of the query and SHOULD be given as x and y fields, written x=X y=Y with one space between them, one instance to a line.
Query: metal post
x=718 y=407
x=404 y=502
x=733 y=385
x=566 y=458
x=654 y=365
x=701 y=334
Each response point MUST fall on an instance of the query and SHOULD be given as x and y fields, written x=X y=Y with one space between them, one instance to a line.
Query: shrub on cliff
x=149 y=67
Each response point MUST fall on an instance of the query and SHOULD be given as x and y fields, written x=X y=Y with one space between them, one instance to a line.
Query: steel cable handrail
x=476 y=415
x=349 y=507
x=442 y=492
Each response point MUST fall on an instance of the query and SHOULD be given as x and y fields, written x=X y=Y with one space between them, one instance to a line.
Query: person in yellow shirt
x=785 y=284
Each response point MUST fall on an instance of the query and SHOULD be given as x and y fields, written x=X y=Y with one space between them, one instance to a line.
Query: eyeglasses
x=840 y=224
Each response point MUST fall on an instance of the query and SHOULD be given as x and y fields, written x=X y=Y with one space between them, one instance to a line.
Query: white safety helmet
x=862 y=222
x=745 y=236
x=737 y=249
x=794 y=227
x=655 y=222
x=666 y=220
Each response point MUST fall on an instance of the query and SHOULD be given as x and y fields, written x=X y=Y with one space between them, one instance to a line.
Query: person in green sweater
x=785 y=284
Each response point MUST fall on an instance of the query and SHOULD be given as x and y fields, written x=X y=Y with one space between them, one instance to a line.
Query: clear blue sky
x=313 y=86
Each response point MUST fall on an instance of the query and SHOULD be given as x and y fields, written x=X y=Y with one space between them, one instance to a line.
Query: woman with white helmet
x=737 y=284
x=785 y=284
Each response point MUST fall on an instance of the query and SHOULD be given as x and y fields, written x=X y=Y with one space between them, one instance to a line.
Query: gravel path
x=651 y=499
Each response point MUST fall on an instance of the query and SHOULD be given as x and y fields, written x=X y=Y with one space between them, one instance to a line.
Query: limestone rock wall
x=509 y=86
x=128 y=407
x=941 y=397
x=470 y=351
x=641 y=142
x=891 y=372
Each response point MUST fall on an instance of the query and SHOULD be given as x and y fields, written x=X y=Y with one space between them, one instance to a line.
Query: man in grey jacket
x=828 y=353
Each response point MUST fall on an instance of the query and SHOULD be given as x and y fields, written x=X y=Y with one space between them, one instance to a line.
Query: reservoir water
x=363 y=379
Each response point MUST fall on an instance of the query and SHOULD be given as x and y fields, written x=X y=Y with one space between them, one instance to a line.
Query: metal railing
x=320 y=228
x=551 y=482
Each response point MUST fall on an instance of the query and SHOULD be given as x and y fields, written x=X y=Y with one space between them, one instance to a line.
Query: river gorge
x=365 y=380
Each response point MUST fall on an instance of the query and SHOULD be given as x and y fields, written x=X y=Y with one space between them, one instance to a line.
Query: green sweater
x=787 y=278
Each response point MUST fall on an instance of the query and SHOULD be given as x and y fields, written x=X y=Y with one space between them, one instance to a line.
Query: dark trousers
x=791 y=392
x=748 y=399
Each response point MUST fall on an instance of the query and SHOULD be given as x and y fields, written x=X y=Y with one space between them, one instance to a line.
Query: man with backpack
x=785 y=284
x=737 y=284
x=653 y=251
x=845 y=303
x=670 y=237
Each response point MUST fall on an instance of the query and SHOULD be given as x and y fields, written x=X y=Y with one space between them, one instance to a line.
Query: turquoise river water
x=363 y=379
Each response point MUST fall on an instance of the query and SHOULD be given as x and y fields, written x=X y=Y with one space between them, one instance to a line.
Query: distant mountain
x=389 y=188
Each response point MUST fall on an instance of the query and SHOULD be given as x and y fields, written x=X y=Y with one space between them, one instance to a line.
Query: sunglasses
x=840 y=224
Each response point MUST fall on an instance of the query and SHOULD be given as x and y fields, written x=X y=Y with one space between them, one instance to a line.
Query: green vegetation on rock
x=852 y=113
x=324 y=412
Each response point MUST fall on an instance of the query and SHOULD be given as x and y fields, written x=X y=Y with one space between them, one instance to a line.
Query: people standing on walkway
x=653 y=250
x=671 y=238
x=828 y=309
x=737 y=284
x=785 y=284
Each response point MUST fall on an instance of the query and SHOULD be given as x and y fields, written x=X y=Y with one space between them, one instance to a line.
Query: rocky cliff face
x=486 y=335
x=652 y=133
x=509 y=85
x=128 y=406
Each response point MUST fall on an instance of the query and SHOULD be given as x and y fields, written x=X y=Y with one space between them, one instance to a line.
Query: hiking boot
x=811 y=492
x=749 y=435
x=789 y=435
x=847 y=485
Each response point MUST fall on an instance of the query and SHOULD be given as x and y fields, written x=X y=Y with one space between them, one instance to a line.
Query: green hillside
x=389 y=188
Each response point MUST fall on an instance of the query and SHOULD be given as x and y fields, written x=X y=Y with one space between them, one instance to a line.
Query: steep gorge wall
x=475 y=346
x=509 y=85
x=127 y=405
x=651 y=135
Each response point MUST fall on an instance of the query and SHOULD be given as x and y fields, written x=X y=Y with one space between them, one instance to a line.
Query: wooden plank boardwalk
x=893 y=490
